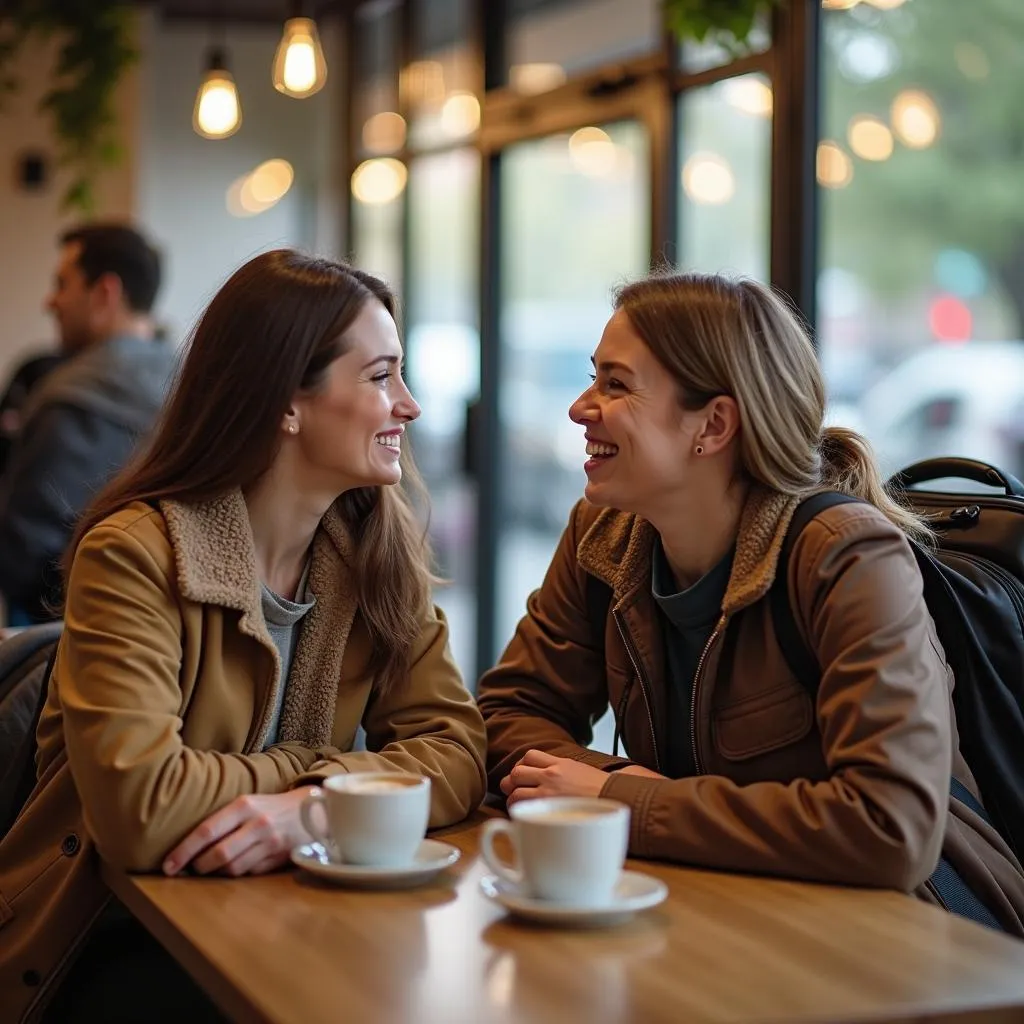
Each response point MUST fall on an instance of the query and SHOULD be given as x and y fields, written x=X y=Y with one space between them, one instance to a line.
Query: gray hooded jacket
x=79 y=429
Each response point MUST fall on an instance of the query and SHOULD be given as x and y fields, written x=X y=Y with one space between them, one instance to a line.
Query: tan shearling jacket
x=851 y=789
x=162 y=693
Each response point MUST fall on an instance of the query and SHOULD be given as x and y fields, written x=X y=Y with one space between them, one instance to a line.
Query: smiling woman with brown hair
x=704 y=433
x=244 y=597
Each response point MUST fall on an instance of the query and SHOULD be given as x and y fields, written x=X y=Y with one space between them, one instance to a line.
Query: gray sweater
x=284 y=623
x=80 y=426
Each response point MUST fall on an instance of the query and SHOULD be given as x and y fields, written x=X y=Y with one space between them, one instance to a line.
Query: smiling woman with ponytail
x=705 y=431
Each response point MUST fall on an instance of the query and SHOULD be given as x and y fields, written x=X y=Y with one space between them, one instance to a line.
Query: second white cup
x=371 y=818
x=568 y=849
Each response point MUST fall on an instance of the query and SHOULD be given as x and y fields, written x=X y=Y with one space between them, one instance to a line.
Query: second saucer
x=634 y=891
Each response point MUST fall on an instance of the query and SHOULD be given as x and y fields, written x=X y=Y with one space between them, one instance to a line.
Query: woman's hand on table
x=250 y=836
x=538 y=774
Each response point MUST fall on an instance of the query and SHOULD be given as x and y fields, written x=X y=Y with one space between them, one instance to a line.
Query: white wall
x=31 y=221
x=183 y=179
x=170 y=181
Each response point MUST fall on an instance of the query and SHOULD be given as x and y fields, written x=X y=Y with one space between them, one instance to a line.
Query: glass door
x=575 y=217
x=443 y=368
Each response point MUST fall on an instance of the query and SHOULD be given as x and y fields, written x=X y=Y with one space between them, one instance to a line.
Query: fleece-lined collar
x=215 y=559
x=617 y=549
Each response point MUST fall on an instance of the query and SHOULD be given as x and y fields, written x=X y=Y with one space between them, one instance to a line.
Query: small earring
x=699 y=450
x=293 y=428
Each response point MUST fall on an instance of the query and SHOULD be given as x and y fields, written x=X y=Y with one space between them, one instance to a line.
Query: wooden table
x=286 y=949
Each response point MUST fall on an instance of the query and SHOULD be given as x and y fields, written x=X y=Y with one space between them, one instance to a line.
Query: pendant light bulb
x=218 y=111
x=299 y=66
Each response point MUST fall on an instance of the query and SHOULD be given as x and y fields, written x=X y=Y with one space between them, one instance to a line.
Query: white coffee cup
x=372 y=818
x=568 y=849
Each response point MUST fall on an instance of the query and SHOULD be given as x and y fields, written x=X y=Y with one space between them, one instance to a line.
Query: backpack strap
x=800 y=658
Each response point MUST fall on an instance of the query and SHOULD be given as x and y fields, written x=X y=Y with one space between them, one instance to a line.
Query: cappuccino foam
x=568 y=817
x=379 y=785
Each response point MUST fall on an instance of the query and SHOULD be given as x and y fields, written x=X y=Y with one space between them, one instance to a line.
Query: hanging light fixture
x=299 y=66
x=218 y=112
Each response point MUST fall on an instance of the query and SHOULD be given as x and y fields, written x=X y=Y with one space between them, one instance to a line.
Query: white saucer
x=634 y=891
x=431 y=858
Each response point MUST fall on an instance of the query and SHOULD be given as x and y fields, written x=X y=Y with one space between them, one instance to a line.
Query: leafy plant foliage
x=727 y=22
x=95 y=49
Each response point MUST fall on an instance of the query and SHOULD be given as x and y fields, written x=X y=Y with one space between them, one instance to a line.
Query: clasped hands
x=539 y=774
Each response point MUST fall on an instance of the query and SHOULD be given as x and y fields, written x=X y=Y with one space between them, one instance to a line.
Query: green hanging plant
x=95 y=50
x=726 y=22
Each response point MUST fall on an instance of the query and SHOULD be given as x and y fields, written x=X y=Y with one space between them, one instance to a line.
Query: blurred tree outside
x=948 y=216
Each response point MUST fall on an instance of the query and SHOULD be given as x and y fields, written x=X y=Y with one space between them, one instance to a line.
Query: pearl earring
x=293 y=428
x=699 y=450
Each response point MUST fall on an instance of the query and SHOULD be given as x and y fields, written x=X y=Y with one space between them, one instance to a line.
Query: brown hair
x=718 y=336
x=271 y=331
x=120 y=250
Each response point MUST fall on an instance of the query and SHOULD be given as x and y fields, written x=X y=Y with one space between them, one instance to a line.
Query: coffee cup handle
x=314 y=799
x=492 y=829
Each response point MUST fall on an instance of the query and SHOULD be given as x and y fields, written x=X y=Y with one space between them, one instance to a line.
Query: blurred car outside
x=965 y=400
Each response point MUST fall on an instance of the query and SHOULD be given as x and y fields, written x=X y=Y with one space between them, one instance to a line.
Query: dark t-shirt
x=688 y=619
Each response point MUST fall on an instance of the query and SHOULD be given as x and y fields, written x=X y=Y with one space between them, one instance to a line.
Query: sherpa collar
x=215 y=558
x=617 y=549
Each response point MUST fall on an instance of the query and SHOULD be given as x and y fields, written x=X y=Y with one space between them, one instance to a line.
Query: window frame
x=646 y=89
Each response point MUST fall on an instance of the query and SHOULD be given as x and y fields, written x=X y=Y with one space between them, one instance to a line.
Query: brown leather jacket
x=854 y=790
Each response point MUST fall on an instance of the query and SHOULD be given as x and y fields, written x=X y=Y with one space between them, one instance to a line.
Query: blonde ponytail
x=848 y=465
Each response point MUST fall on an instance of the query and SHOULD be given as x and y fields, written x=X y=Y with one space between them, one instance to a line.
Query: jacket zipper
x=716 y=633
x=637 y=667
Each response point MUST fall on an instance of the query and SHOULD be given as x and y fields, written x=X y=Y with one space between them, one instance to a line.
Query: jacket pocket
x=763 y=723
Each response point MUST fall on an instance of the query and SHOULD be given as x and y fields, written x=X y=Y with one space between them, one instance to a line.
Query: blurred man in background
x=80 y=425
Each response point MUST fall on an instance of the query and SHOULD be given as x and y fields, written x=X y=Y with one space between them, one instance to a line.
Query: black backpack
x=26 y=661
x=974 y=588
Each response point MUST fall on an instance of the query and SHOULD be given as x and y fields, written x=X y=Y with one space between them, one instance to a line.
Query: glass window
x=725 y=180
x=549 y=40
x=380 y=130
x=575 y=223
x=379 y=179
x=443 y=368
x=377 y=187
x=921 y=282
x=439 y=84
